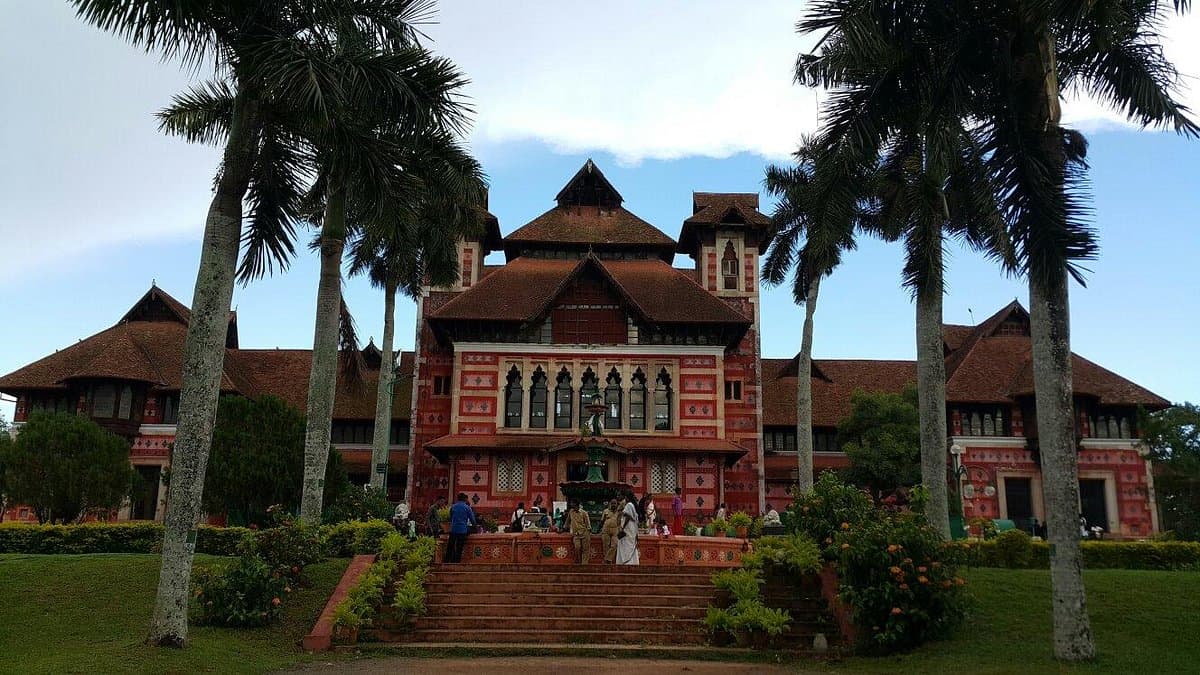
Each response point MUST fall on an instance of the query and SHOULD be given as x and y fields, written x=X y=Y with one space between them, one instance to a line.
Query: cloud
x=664 y=80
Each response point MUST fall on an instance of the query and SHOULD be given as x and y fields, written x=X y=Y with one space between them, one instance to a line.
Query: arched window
x=662 y=401
x=612 y=400
x=729 y=267
x=637 y=401
x=125 y=403
x=562 y=400
x=538 y=395
x=589 y=386
x=513 y=395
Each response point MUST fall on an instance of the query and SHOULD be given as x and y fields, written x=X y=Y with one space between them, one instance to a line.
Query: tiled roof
x=726 y=209
x=152 y=352
x=1092 y=379
x=831 y=397
x=589 y=225
x=525 y=288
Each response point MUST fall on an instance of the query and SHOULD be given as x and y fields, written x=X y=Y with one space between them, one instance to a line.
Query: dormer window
x=729 y=267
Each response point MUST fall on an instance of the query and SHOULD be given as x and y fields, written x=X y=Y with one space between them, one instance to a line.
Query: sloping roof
x=591 y=181
x=525 y=288
x=953 y=335
x=831 y=396
x=1089 y=378
x=589 y=226
x=284 y=373
x=725 y=209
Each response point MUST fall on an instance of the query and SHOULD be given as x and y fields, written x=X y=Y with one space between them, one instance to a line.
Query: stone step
x=636 y=623
x=544 y=611
x=585 y=589
x=573 y=576
x=543 y=636
x=563 y=598
x=632 y=570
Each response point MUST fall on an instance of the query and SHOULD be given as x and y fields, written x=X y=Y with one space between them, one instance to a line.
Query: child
x=662 y=530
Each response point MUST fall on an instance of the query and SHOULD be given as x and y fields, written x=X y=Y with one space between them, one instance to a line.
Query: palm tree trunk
x=322 y=380
x=804 y=434
x=203 y=363
x=384 y=392
x=931 y=394
x=1050 y=326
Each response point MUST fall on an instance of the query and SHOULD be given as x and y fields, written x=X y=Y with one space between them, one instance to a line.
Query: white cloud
x=84 y=165
x=664 y=80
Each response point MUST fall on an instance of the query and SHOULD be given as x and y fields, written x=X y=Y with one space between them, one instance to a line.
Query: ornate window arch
x=612 y=400
x=563 y=397
x=637 y=401
x=538 y=399
x=662 y=401
x=513 y=399
x=589 y=386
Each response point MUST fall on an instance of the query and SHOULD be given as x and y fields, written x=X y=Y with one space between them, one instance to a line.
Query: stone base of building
x=535 y=548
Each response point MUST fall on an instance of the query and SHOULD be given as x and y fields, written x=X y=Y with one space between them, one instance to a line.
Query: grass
x=1144 y=622
x=90 y=614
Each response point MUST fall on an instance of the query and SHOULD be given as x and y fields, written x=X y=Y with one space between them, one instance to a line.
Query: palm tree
x=1000 y=68
x=813 y=223
x=369 y=161
x=416 y=248
x=260 y=48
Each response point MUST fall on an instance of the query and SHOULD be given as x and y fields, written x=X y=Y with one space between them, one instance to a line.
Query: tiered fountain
x=594 y=493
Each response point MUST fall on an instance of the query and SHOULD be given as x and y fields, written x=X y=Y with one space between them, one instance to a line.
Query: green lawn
x=1144 y=622
x=90 y=613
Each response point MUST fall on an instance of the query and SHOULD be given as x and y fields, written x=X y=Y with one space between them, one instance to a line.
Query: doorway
x=1091 y=502
x=144 y=502
x=1018 y=499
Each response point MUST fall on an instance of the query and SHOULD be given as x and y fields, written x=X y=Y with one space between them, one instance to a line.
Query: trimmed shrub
x=286 y=549
x=132 y=537
x=354 y=537
x=220 y=540
x=246 y=593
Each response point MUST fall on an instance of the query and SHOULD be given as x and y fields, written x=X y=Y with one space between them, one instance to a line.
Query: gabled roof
x=589 y=215
x=731 y=210
x=830 y=394
x=526 y=288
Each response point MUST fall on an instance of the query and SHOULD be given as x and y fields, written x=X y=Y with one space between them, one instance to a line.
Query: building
x=589 y=307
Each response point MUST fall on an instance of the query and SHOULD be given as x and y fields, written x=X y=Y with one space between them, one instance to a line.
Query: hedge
x=1130 y=555
x=354 y=537
x=128 y=537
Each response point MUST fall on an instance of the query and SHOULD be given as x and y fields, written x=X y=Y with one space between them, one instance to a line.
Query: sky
x=667 y=97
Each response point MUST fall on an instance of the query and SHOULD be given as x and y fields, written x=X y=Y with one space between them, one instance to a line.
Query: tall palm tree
x=417 y=247
x=370 y=161
x=810 y=233
x=260 y=48
x=1000 y=68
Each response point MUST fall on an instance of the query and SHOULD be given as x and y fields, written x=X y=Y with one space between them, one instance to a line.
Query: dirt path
x=516 y=665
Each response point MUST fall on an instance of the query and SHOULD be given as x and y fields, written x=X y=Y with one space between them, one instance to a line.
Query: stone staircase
x=596 y=605
x=586 y=604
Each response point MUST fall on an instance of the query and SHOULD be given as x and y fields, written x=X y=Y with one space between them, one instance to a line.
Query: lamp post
x=960 y=471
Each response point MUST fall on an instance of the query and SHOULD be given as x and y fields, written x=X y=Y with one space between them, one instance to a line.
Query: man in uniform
x=580 y=526
x=608 y=531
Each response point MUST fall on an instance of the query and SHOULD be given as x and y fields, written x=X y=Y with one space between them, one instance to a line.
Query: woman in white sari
x=627 y=549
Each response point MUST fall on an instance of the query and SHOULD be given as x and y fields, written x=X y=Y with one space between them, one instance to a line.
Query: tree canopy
x=882 y=438
x=258 y=460
x=1173 y=436
x=66 y=467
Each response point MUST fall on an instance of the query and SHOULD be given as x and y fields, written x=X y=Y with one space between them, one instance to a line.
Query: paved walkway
x=538 y=664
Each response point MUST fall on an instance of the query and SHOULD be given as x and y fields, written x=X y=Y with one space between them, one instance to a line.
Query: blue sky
x=98 y=204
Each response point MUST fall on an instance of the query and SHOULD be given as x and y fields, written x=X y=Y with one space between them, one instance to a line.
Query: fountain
x=593 y=493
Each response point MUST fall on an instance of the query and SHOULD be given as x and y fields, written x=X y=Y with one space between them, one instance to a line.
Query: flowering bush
x=900 y=581
x=286 y=549
x=830 y=508
x=246 y=593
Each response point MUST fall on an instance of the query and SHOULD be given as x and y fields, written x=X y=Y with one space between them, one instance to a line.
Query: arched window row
x=630 y=402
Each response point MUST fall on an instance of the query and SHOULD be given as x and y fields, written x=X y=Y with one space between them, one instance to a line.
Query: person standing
x=608 y=530
x=518 y=519
x=627 y=535
x=677 y=512
x=433 y=521
x=462 y=519
x=580 y=526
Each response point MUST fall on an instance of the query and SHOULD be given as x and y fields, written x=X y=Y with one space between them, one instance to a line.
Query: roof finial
x=972 y=315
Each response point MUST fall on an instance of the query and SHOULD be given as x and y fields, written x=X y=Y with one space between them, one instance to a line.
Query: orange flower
x=276 y=601
x=904 y=587
x=806 y=509
x=892 y=548
x=845 y=546
x=922 y=579
x=907 y=561
x=922 y=569
x=896 y=611
x=959 y=581
x=946 y=584
x=845 y=526
x=894 y=570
